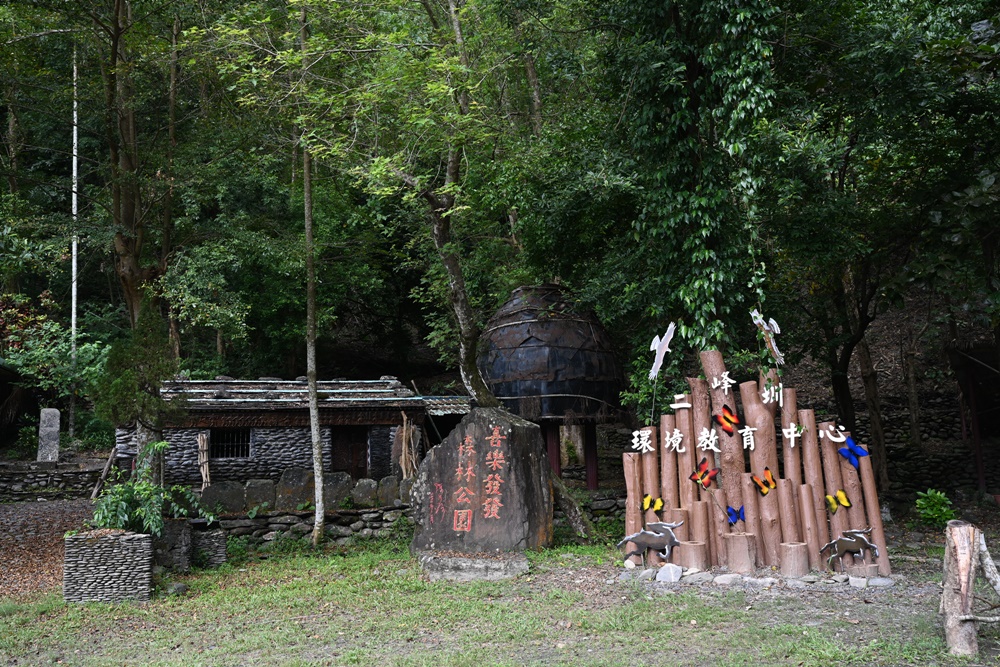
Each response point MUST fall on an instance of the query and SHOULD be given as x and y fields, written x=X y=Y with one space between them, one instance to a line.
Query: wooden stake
x=686 y=461
x=731 y=459
x=787 y=494
x=693 y=554
x=633 y=513
x=751 y=509
x=794 y=559
x=961 y=556
x=741 y=552
x=668 y=465
x=699 y=526
x=763 y=455
x=809 y=527
x=833 y=480
x=814 y=473
x=874 y=515
x=791 y=455
x=651 y=486
x=852 y=486
x=718 y=521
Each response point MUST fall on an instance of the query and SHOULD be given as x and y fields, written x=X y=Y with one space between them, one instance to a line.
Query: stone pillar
x=48 y=435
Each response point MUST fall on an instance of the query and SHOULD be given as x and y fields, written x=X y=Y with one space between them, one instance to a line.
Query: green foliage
x=934 y=508
x=129 y=390
x=252 y=513
x=140 y=505
x=237 y=549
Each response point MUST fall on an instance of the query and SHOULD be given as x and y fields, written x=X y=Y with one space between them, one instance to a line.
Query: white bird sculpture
x=769 y=329
x=661 y=346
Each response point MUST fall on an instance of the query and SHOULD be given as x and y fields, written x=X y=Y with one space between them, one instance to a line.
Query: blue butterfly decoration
x=852 y=452
x=735 y=515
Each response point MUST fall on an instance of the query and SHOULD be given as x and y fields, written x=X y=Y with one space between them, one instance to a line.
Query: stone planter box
x=107 y=566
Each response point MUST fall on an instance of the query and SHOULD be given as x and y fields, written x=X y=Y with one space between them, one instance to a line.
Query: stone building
x=256 y=429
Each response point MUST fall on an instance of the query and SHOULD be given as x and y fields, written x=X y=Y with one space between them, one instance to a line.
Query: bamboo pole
x=668 y=465
x=814 y=473
x=633 y=513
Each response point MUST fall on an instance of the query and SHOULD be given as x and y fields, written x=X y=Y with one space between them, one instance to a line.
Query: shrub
x=934 y=509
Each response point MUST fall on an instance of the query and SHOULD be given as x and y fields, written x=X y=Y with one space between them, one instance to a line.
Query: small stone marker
x=485 y=488
x=48 y=435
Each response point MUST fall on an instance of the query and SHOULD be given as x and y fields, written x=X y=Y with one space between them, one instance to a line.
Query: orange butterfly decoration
x=764 y=485
x=703 y=475
x=728 y=420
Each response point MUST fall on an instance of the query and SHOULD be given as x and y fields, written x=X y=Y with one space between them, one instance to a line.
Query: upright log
x=699 y=526
x=686 y=461
x=701 y=418
x=813 y=469
x=874 y=515
x=682 y=532
x=718 y=520
x=852 y=486
x=794 y=559
x=810 y=531
x=651 y=486
x=669 y=490
x=767 y=383
x=788 y=495
x=633 y=496
x=731 y=459
x=961 y=555
x=790 y=453
x=833 y=480
x=741 y=552
x=751 y=509
x=764 y=455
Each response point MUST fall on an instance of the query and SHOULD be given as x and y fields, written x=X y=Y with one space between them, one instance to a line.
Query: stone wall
x=340 y=526
x=27 y=481
x=107 y=566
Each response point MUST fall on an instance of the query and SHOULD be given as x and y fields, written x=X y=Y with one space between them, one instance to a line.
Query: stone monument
x=48 y=435
x=485 y=489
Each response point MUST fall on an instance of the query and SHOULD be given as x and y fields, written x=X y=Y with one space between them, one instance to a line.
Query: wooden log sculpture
x=814 y=473
x=669 y=489
x=960 y=560
x=633 y=510
x=731 y=459
x=651 y=486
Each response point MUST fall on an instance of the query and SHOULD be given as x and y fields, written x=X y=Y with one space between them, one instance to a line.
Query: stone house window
x=229 y=443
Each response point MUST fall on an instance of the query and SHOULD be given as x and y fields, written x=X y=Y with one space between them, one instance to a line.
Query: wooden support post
x=699 y=525
x=686 y=461
x=741 y=552
x=874 y=515
x=203 y=466
x=701 y=420
x=791 y=455
x=961 y=556
x=788 y=494
x=590 y=454
x=731 y=459
x=651 y=486
x=719 y=525
x=682 y=532
x=809 y=528
x=633 y=496
x=814 y=473
x=551 y=430
x=794 y=559
x=669 y=490
x=833 y=480
x=764 y=455
x=852 y=486
x=693 y=554
x=751 y=509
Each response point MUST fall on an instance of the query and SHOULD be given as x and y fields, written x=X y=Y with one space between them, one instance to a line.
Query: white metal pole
x=72 y=329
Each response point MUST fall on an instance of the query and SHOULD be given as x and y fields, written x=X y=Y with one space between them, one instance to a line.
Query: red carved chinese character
x=463 y=495
x=492 y=485
x=496 y=440
x=495 y=459
x=436 y=501
x=467 y=447
x=491 y=507
x=462 y=520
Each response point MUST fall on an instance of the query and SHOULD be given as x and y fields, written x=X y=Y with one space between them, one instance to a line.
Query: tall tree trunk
x=314 y=431
x=869 y=376
x=13 y=140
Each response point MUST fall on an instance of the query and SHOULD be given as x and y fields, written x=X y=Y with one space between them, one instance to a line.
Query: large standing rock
x=336 y=487
x=485 y=488
x=48 y=435
x=296 y=488
x=224 y=497
x=260 y=494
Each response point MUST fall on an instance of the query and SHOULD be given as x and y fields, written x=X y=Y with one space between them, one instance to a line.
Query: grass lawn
x=370 y=605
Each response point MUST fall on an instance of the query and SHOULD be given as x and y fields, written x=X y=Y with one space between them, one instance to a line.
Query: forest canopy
x=684 y=161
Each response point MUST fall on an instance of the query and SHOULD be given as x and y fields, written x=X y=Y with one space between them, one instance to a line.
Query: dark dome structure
x=550 y=362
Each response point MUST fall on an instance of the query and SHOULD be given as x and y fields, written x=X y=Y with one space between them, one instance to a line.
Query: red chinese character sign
x=485 y=488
